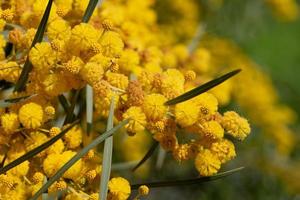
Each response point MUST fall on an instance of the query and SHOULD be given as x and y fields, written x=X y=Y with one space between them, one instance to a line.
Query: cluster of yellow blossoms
x=122 y=56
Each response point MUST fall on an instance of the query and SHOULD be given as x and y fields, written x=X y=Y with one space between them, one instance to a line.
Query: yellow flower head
x=137 y=119
x=224 y=149
x=207 y=163
x=186 y=113
x=117 y=80
x=181 y=152
x=119 y=189
x=73 y=138
x=212 y=129
x=128 y=60
x=10 y=122
x=74 y=65
x=208 y=104
x=42 y=56
x=38 y=177
x=235 y=125
x=143 y=190
x=82 y=37
x=154 y=107
x=31 y=115
x=59 y=29
x=49 y=112
x=54 y=131
x=92 y=72
x=112 y=44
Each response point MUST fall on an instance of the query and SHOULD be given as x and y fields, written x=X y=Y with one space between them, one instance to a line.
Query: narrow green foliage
x=187 y=181
x=20 y=85
x=70 y=113
x=89 y=10
x=64 y=102
x=36 y=150
x=160 y=158
x=8 y=102
x=107 y=154
x=89 y=108
x=202 y=88
x=79 y=155
x=147 y=155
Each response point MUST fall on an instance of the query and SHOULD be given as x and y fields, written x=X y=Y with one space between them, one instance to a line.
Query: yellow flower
x=112 y=44
x=49 y=112
x=59 y=29
x=56 y=148
x=224 y=149
x=212 y=129
x=42 y=56
x=92 y=72
x=57 y=186
x=82 y=37
x=51 y=164
x=31 y=115
x=38 y=177
x=117 y=80
x=75 y=171
x=73 y=138
x=9 y=122
x=128 y=60
x=235 y=125
x=186 y=113
x=54 y=131
x=154 y=107
x=181 y=152
x=208 y=104
x=207 y=163
x=119 y=189
x=143 y=190
x=137 y=119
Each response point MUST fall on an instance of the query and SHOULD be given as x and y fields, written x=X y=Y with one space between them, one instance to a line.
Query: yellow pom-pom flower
x=137 y=119
x=235 y=125
x=208 y=104
x=73 y=138
x=112 y=44
x=119 y=189
x=154 y=107
x=10 y=122
x=31 y=115
x=128 y=60
x=224 y=149
x=207 y=163
x=117 y=80
x=212 y=129
x=42 y=56
x=59 y=29
x=186 y=113
x=92 y=72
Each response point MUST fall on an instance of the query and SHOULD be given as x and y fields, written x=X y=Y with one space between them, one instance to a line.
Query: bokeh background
x=274 y=44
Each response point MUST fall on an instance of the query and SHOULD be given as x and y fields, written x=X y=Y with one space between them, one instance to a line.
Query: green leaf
x=147 y=155
x=36 y=150
x=107 y=154
x=64 y=102
x=89 y=10
x=7 y=102
x=20 y=85
x=202 y=88
x=160 y=158
x=75 y=158
x=187 y=181
x=89 y=109
x=70 y=113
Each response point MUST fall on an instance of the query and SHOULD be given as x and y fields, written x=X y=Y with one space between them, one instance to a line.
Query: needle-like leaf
x=202 y=88
x=107 y=155
x=147 y=155
x=20 y=85
x=187 y=181
x=7 y=102
x=75 y=158
x=89 y=10
x=36 y=150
